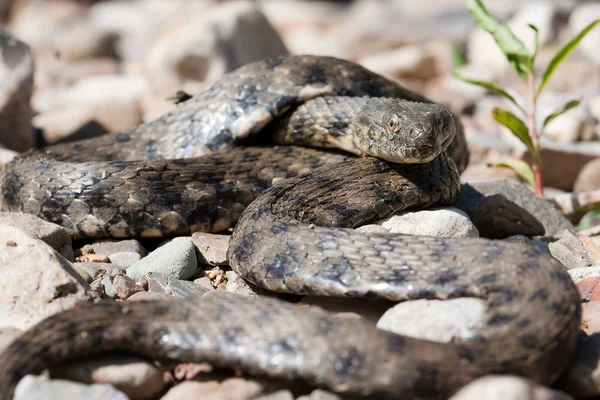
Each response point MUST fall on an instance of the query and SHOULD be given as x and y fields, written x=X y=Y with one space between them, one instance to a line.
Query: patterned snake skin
x=295 y=237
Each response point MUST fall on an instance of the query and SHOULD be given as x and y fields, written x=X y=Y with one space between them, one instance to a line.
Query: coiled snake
x=295 y=236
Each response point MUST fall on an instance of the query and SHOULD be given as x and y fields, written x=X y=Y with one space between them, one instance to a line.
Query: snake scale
x=179 y=174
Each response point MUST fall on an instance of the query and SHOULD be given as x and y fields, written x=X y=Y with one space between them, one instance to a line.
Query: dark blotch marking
x=161 y=309
x=501 y=319
x=396 y=343
x=272 y=62
x=159 y=333
x=122 y=137
x=466 y=353
x=428 y=378
x=524 y=323
x=349 y=361
x=540 y=294
x=560 y=277
x=224 y=137
x=529 y=341
x=445 y=278
x=489 y=278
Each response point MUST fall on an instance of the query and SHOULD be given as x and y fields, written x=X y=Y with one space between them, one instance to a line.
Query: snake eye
x=393 y=123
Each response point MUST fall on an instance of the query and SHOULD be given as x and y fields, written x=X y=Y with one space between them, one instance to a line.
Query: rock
x=16 y=70
x=7 y=335
x=278 y=395
x=440 y=321
x=67 y=252
x=83 y=273
x=589 y=289
x=590 y=319
x=567 y=127
x=97 y=269
x=124 y=259
x=482 y=49
x=212 y=248
x=93 y=258
x=124 y=287
x=138 y=378
x=233 y=388
x=35 y=281
x=176 y=259
x=37 y=388
x=158 y=283
x=103 y=89
x=109 y=247
x=502 y=387
x=581 y=16
x=320 y=394
x=84 y=40
x=54 y=235
x=236 y=284
x=488 y=204
x=205 y=283
x=6 y=155
x=416 y=62
x=582 y=377
x=147 y=296
x=572 y=253
x=579 y=274
x=187 y=290
x=589 y=177
x=205 y=44
x=447 y=222
x=107 y=286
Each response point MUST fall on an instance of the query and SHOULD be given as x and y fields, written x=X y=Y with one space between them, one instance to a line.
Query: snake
x=295 y=151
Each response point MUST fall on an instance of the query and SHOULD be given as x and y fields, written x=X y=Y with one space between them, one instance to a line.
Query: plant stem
x=536 y=160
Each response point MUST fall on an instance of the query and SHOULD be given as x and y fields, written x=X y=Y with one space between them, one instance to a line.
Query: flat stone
x=440 y=321
x=109 y=247
x=137 y=377
x=590 y=319
x=107 y=286
x=320 y=394
x=212 y=248
x=579 y=274
x=446 y=222
x=502 y=387
x=187 y=290
x=176 y=259
x=572 y=253
x=124 y=286
x=278 y=395
x=148 y=296
x=589 y=289
x=233 y=388
x=205 y=283
x=504 y=207
x=124 y=259
x=37 y=388
x=93 y=258
x=35 y=281
x=237 y=284
x=54 y=235
x=97 y=269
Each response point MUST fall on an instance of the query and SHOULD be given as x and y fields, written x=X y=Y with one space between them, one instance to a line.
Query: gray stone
x=236 y=284
x=124 y=259
x=278 y=395
x=447 y=222
x=320 y=394
x=158 y=283
x=176 y=259
x=212 y=248
x=110 y=247
x=504 y=207
x=54 y=235
x=187 y=290
x=96 y=269
x=138 y=378
x=107 y=286
x=37 y=388
x=572 y=253
x=16 y=69
x=35 y=281
x=579 y=274
x=233 y=388
x=67 y=252
x=440 y=321
x=124 y=287
x=205 y=283
x=589 y=177
x=502 y=387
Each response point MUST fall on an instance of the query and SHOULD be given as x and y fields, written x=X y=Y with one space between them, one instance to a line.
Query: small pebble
x=124 y=259
x=176 y=259
x=110 y=247
x=124 y=286
x=37 y=388
x=212 y=248
x=93 y=258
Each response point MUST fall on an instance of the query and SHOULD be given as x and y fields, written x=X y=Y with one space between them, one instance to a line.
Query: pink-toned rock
x=589 y=289
x=146 y=296
x=590 y=320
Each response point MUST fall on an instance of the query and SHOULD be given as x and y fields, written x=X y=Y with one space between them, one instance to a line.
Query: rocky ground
x=75 y=69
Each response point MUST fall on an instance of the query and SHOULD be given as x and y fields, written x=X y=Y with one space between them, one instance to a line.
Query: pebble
x=205 y=283
x=37 y=388
x=35 y=281
x=187 y=290
x=107 y=286
x=589 y=177
x=54 y=235
x=503 y=387
x=237 y=284
x=123 y=286
x=95 y=270
x=579 y=274
x=147 y=296
x=320 y=394
x=138 y=378
x=110 y=247
x=278 y=395
x=590 y=319
x=212 y=248
x=233 y=388
x=440 y=321
x=572 y=253
x=124 y=259
x=16 y=69
x=417 y=61
x=176 y=259
x=446 y=222
x=93 y=258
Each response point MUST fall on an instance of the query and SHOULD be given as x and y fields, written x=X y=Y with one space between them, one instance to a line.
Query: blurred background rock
x=106 y=66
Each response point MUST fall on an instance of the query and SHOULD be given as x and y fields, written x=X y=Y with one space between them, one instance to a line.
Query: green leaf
x=536 y=45
x=492 y=87
x=590 y=219
x=458 y=60
x=563 y=52
x=514 y=49
x=566 y=107
x=520 y=167
x=516 y=126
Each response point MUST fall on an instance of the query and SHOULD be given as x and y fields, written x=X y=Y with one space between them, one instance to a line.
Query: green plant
x=522 y=59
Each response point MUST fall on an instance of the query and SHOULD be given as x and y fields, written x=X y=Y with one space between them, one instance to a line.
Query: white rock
x=580 y=18
x=204 y=45
x=212 y=248
x=16 y=75
x=85 y=40
x=37 y=388
x=504 y=387
x=35 y=281
x=483 y=50
x=416 y=61
x=579 y=274
x=447 y=222
x=176 y=259
x=565 y=128
x=440 y=321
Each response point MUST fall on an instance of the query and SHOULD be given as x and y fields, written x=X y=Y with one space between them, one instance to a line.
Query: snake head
x=403 y=131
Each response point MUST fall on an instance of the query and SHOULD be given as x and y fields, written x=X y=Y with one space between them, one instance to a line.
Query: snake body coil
x=295 y=237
